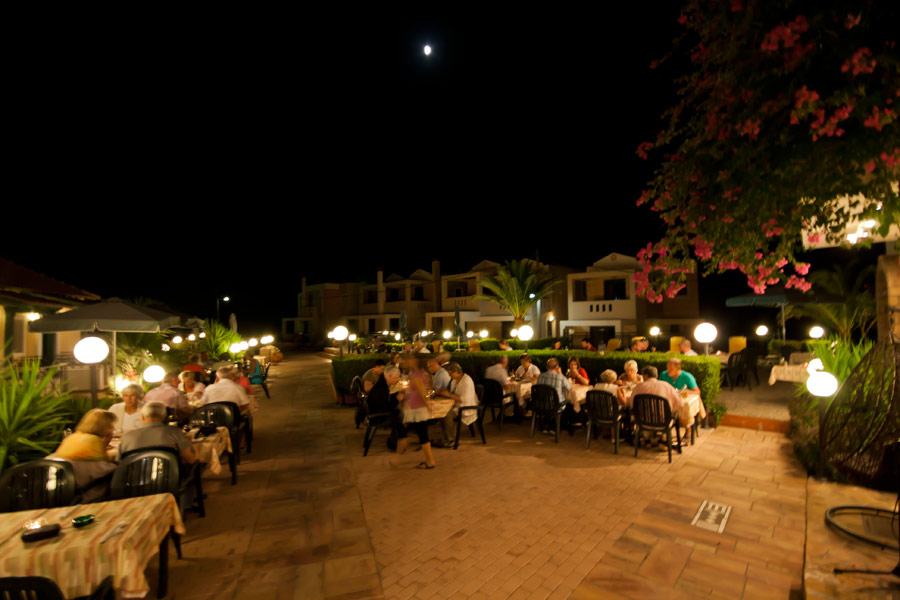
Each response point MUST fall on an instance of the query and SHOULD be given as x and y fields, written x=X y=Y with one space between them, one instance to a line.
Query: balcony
x=461 y=302
x=586 y=310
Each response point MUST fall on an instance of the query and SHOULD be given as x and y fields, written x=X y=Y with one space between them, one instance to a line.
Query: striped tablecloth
x=210 y=448
x=76 y=560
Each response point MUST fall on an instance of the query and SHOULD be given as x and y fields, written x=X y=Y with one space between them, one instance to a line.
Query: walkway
x=518 y=518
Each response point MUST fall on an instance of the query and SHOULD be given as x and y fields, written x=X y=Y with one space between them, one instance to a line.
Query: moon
x=427 y=50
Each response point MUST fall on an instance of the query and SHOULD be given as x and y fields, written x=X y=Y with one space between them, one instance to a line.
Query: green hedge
x=774 y=346
x=704 y=368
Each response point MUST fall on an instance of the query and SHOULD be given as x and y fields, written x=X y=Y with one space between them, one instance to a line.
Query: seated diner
x=128 y=411
x=527 y=370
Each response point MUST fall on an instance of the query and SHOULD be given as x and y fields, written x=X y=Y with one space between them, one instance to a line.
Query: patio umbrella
x=403 y=330
x=457 y=329
x=232 y=322
x=779 y=296
x=111 y=315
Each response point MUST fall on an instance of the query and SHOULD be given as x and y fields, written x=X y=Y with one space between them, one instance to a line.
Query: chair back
x=146 y=472
x=220 y=414
x=652 y=411
x=356 y=386
x=266 y=371
x=736 y=343
x=675 y=344
x=735 y=360
x=37 y=484
x=613 y=344
x=602 y=406
x=492 y=392
x=544 y=398
x=479 y=391
x=16 y=588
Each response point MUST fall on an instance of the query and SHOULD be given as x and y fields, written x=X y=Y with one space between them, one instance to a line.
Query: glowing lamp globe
x=330 y=335
x=423 y=333
x=815 y=365
x=121 y=383
x=654 y=331
x=447 y=334
x=267 y=339
x=551 y=318
x=525 y=333
x=352 y=337
x=154 y=374
x=427 y=50
x=705 y=333
x=244 y=345
x=226 y=298
x=385 y=332
x=253 y=343
x=166 y=348
x=822 y=384
x=762 y=330
x=192 y=337
x=816 y=332
x=514 y=332
x=202 y=335
x=531 y=296
x=234 y=348
x=177 y=339
x=340 y=333
x=91 y=350
x=397 y=336
x=33 y=316
x=470 y=334
x=483 y=333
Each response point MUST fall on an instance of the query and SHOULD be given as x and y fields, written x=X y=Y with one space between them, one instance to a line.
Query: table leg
x=163 y=587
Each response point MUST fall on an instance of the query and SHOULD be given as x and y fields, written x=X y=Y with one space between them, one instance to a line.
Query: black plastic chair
x=357 y=389
x=494 y=397
x=146 y=472
x=737 y=370
x=374 y=422
x=227 y=414
x=545 y=403
x=479 y=416
x=41 y=588
x=603 y=411
x=27 y=486
x=188 y=476
x=653 y=413
x=265 y=380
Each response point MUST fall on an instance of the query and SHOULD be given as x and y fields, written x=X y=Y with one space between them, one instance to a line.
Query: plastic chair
x=358 y=390
x=545 y=403
x=227 y=414
x=42 y=588
x=26 y=486
x=265 y=379
x=374 y=422
x=479 y=418
x=603 y=411
x=493 y=399
x=737 y=370
x=613 y=344
x=675 y=344
x=653 y=413
x=147 y=472
x=188 y=475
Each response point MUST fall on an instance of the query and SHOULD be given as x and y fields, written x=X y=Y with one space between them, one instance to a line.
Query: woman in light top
x=128 y=411
x=191 y=388
x=630 y=377
x=607 y=383
x=416 y=411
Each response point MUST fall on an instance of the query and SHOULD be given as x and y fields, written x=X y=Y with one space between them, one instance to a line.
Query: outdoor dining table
x=521 y=388
x=439 y=407
x=577 y=395
x=78 y=560
x=209 y=448
x=795 y=373
x=691 y=407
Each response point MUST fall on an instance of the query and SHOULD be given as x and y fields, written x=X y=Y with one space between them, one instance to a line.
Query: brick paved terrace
x=517 y=518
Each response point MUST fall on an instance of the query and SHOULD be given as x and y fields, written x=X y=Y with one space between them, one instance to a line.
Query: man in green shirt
x=676 y=377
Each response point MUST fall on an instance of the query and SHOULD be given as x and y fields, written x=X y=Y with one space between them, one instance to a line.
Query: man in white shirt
x=226 y=390
x=498 y=371
x=685 y=347
x=527 y=370
x=462 y=390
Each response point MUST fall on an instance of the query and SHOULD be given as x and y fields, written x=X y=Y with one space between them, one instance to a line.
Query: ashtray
x=82 y=521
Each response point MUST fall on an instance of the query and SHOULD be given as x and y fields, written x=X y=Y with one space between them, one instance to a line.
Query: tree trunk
x=887 y=295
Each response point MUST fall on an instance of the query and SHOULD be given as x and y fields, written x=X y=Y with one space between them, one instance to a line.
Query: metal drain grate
x=712 y=516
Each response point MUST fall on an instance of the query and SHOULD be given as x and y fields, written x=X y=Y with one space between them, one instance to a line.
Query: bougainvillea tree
x=786 y=126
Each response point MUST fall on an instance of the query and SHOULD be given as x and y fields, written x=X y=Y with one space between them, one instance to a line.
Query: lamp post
x=816 y=332
x=705 y=333
x=340 y=333
x=224 y=299
x=90 y=351
x=525 y=333
x=654 y=333
x=822 y=385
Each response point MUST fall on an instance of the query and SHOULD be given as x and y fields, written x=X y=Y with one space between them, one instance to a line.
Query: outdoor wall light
x=816 y=332
x=385 y=332
x=447 y=334
x=551 y=318
x=483 y=333
x=762 y=330
x=177 y=339
x=423 y=333
x=154 y=374
x=397 y=336
x=91 y=350
x=654 y=331
x=33 y=316
x=470 y=334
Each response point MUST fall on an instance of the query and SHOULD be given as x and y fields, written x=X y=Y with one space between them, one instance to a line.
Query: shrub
x=704 y=368
x=774 y=346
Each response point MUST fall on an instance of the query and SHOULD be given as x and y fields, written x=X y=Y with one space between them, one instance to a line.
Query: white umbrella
x=232 y=322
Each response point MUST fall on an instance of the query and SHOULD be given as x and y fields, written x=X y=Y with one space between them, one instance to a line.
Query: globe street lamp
x=816 y=332
x=340 y=333
x=823 y=385
x=90 y=351
x=154 y=374
x=705 y=333
x=525 y=333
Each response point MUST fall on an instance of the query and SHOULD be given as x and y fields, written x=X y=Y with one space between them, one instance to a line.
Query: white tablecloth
x=577 y=395
x=795 y=373
x=522 y=389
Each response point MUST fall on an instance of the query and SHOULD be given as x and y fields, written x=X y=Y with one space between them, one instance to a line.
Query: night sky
x=203 y=159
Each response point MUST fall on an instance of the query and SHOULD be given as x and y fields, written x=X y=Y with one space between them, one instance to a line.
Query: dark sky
x=192 y=160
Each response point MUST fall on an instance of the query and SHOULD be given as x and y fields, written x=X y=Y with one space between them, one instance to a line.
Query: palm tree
x=856 y=312
x=518 y=286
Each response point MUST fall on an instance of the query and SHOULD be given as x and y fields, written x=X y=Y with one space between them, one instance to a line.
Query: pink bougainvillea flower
x=870 y=167
x=814 y=238
x=802 y=268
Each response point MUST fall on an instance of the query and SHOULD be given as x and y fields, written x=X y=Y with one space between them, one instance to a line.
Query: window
x=418 y=293
x=371 y=324
x=289 y=327
x=614 y=289
x=579 y=290
x=393 y=294
x=394 y=325
x=371 y=296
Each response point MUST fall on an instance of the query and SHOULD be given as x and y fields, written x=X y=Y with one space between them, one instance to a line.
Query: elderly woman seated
x=191 y=388
x=630 y=377
x=86 y=450
x=128 y=411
